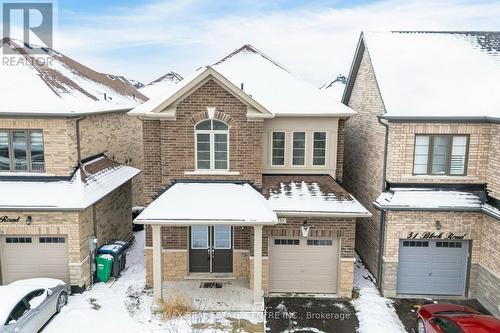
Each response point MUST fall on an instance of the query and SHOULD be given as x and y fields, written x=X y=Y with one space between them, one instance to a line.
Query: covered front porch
x=194 y=229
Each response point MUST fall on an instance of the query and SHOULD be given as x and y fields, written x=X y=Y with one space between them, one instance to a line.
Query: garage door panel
x=439 y=268
x=33 y=260
x=303 y=268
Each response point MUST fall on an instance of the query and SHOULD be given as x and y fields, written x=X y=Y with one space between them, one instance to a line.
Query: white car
x=27 y=305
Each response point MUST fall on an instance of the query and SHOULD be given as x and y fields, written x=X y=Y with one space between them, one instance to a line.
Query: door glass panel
x=199 y=237
x=4 y=151
x=222 y=237
x=20 y=154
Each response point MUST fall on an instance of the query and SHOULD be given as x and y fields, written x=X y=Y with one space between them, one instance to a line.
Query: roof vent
x=242 y=86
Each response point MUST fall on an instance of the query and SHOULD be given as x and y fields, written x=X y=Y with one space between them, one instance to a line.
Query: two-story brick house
x=68 y=156
x=422 y=155
x=240 y=162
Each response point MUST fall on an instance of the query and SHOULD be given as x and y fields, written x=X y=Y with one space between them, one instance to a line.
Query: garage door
x=303 y=265
x=432 y=267
x=25 y=257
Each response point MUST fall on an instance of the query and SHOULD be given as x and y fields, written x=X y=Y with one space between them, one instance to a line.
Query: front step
x=210 y=277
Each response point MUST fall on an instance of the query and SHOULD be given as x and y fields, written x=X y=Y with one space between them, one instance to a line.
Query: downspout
x=381 y=235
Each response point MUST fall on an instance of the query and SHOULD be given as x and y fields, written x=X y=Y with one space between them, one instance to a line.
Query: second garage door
x=25 y=257
x=303 y=265
x=432 y=267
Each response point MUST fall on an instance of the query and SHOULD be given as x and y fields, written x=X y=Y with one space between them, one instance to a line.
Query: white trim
x=175 y=250
x=322 y=214
x=284 y=148
x=348 y=259
x=236 y=223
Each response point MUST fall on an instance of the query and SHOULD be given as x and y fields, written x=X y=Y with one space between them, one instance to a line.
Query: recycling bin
x=118 y=253
x=104 y=265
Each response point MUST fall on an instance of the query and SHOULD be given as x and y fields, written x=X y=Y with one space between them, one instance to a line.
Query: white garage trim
x=304 y=265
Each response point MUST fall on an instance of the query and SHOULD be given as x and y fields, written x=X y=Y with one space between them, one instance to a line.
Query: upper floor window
x=278 y=149
x=440 y=155
x=299 y=148
x=319 y=148
x=21 y=150
x=212 y=145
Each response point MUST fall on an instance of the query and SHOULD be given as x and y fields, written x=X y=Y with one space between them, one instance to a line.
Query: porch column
x=157 y=267
x=257 y=264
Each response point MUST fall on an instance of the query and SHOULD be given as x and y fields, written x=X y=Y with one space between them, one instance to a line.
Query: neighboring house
x=240 y=162
x=68 y=153
x=422 y=153
x=336 y=87
x=161 y=85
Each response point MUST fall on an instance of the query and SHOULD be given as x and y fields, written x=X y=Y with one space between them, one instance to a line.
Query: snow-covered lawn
x=375 y=313
x=124 y=306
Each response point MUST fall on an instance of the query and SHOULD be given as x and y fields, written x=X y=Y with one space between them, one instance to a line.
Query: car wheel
x=61 y=301
x=420 y=326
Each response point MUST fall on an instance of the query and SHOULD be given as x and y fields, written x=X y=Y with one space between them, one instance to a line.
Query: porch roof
x=191 y=203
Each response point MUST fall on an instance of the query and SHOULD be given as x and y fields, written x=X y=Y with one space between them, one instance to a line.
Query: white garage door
x=25 y=257
x=303 y=265
x=432 y=267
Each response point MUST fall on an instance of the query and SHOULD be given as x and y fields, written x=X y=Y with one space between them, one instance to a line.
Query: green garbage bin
x=104 y=265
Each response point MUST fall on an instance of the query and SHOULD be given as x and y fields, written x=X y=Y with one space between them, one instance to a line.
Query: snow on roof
x=162 y=85
x=58 y=85
x=265 y=82
x=305 y=194
x=437 y=74
x=428 y=198
x=81 y=191
x=188 y=203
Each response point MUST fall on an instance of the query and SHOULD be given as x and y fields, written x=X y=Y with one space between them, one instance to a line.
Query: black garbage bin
x=118 y=253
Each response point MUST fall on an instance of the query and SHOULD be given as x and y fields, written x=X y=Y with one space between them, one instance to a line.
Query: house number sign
x=434 y=235
x=7 y=219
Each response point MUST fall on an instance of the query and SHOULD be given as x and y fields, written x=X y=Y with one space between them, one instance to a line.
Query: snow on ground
x=124 y=306
x=375 y=313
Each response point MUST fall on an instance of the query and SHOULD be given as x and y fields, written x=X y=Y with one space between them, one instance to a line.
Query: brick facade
x=113 y=221
x=493 y=175
x=165 y=160
x=364 y=158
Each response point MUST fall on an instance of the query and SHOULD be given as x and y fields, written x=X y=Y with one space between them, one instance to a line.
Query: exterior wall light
x=305 y=229
x=29 y=220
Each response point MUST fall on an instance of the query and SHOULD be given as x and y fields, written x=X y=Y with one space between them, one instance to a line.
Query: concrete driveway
x=309 y=315
x=406 y=309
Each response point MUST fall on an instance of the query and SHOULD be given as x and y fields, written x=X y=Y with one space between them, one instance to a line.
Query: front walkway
x=218 y=295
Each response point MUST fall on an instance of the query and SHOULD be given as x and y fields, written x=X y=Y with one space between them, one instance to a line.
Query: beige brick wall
x=241 y=264
x=346 y=277
x=493 y=176
x=57 y=141
x=120 y=137
x=402 y=143
x=175 y=265
x=364 y=157
x=490 y=245
x=400 y=224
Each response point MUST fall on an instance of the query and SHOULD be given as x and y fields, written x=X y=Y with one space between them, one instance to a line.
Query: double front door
x=210 y=249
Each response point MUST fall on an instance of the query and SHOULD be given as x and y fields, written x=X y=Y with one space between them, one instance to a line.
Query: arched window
x=212 y=145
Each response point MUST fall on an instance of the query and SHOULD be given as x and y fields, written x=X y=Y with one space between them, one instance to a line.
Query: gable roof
x=262 y=83
x=158 y=86
x=50 y=84
x=434 y=75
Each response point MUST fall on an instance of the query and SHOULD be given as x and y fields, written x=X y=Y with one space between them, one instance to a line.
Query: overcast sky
x=314 y=40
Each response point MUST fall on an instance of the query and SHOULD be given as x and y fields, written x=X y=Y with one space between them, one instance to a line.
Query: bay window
x=212 y=145
x=440 y=154
x=21 y=150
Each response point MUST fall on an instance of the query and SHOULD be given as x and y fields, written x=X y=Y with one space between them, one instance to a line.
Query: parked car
x=452 y=318
x=27 y=305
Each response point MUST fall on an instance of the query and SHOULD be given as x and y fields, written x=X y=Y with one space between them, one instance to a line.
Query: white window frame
x=284 y=148
x=292 y=149
x=230 y=237
x=326 y=149
x=207 y=228
x=211 y=133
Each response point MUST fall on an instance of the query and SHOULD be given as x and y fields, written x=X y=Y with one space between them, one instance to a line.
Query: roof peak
x=253 y=49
